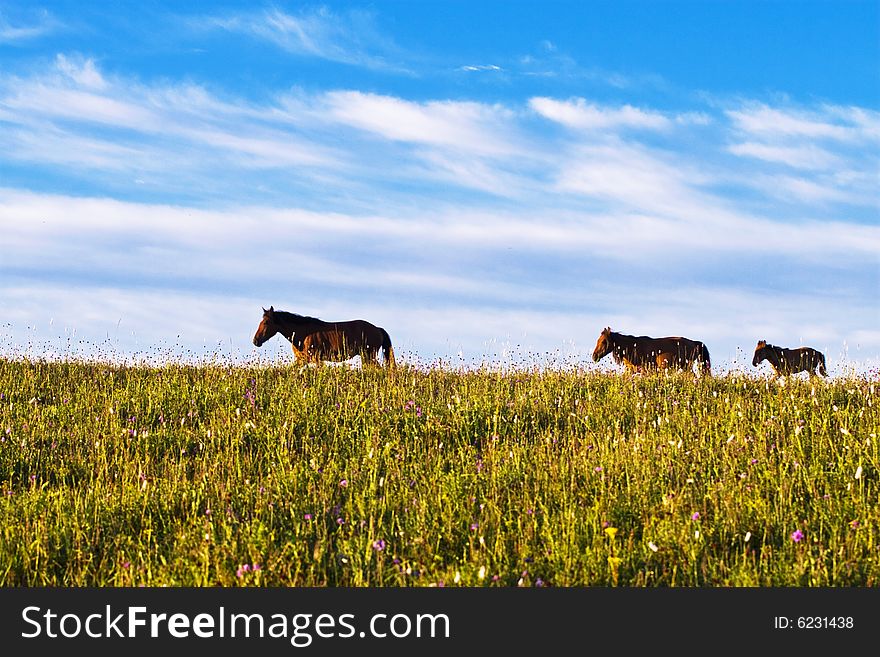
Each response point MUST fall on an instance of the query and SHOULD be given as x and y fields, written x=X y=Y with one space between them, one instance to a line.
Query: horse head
x=603 y=345
x=267 y=327
x=759 y=352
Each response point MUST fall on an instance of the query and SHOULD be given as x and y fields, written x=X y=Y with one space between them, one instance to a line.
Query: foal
x=790 y=361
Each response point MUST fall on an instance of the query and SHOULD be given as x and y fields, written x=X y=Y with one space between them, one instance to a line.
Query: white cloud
x=799 y=157
x=81 y=71
x=776 y=123
x=582 y=115
x=463 y=126
x=350 y=37
x=41 y=23
x=471 y=68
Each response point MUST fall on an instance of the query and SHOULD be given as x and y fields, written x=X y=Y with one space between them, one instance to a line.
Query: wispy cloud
x=36 y=25
x=579 y=114
x=350 y=37
x=826 y=123
x=808 y=156
x=74 y=114
x=827 y=154
x=477 y=68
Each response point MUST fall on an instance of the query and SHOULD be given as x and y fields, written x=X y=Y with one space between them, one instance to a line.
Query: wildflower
x=854 y=524
x=797 y=536
x=748 y=536
x=859 y=472
x=307 y=516
x=474 y=526
x=379 y=545
x=539 y=582
x=696 y=515
x=611 y=531
x=343 y=483
x=598 y=468
x=652 y=546
x=482 y=573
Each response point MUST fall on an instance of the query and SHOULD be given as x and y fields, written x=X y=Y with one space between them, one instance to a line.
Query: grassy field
x=258 y=476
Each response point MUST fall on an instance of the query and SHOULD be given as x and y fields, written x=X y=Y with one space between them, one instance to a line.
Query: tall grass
x=255 y=475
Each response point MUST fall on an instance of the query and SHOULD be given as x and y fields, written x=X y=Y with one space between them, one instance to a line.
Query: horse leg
x=368 y=358
x=300 y=356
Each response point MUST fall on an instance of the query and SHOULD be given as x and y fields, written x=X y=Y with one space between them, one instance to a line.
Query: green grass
x=181 y=475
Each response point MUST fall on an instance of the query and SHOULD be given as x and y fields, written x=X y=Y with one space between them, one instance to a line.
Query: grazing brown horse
x=315 y=341
x=790 y=361
x=643 y=353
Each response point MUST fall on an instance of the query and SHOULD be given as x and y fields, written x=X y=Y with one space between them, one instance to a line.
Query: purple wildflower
x=696 y=515
x=797 y=536
x=379 y=545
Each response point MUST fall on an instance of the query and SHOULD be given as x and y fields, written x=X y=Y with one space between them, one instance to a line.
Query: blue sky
x=488 y=181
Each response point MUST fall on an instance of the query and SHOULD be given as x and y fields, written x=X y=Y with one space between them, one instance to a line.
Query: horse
x=642 y=353
x=314 y=340
x=790 y=361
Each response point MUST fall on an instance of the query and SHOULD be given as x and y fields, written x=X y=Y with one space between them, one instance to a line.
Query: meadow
x=272 y=475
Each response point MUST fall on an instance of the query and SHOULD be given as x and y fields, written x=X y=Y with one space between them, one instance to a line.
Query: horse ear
x=264 y=310
x=607 y=330
x=271 y=309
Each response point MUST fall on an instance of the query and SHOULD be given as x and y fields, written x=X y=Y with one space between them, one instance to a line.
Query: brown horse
x=643 y=353
x=790 y=361
x=315 y=341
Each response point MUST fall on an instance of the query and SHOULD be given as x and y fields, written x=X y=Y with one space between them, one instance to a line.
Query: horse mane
x=285 y=316
x=617 y=348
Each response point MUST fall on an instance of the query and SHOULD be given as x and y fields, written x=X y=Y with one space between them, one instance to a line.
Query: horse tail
x=387 y=349
x=704 y=356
